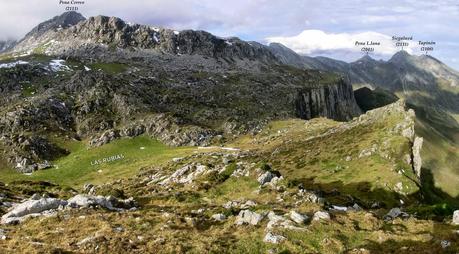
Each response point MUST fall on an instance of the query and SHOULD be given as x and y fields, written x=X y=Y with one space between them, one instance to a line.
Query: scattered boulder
x=3 y=234
x=226 y=160
x=310 y=196
x=107 y=137
x=279 y=221
x=248 y=217
x=108 y=202
x=395 y=213
x=456 y=217
x=321 y=215
x=177 y=159
x=239 y=204
x=219 y=217
x=248 y=204
x=274 y=220
x=399 y=187
x=266 y=177
x=298 y=217
x=198 y=211
x=272 y=238
x=355 y=207
x=231 y=204
x=339 y=208
x=445 y=244
x=186 y=174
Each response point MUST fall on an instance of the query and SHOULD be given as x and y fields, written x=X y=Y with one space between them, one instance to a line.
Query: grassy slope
x=76 y=169
x=321 y=161
x=144 y=229
x=440 y=152
x=441 y=157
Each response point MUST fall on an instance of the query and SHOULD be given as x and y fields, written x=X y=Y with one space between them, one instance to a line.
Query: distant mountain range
x=428 y=85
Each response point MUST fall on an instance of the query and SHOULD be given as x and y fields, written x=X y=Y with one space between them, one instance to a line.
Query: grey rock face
x=67 y=19
x=37 y=206
x=31 y=153
x=158 y=126
x=31 y=207
x=186 y=174
x=333 y=101
x=417 y=160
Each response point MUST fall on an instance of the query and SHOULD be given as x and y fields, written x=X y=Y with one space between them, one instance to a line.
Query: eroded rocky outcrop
x=416 y=151
x=161 y=127
x=42 y=206
x=404 y=128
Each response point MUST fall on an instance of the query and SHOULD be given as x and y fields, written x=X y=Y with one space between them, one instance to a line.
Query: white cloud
x=313 y=41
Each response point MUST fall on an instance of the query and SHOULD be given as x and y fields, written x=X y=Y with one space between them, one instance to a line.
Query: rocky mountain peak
x=400 y=57
x=109 y=37
x=65 y=20
x=280 y=46
x=366 y=58
x=365 y=61
x=104 y=22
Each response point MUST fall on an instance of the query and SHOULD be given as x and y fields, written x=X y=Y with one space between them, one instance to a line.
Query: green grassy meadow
x=75 y=169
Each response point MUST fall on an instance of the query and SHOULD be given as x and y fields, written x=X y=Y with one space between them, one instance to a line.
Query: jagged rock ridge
x=65 y=35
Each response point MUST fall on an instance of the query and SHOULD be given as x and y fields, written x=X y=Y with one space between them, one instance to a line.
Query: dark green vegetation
x=110 y=68
x=368 y=99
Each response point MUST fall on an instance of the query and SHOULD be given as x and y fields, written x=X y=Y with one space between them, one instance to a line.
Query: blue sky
x=316 y=27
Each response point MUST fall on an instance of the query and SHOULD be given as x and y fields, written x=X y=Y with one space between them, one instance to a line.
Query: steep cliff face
x=334 y=101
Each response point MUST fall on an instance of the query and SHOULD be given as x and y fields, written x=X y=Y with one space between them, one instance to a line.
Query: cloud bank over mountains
x=314 y=42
